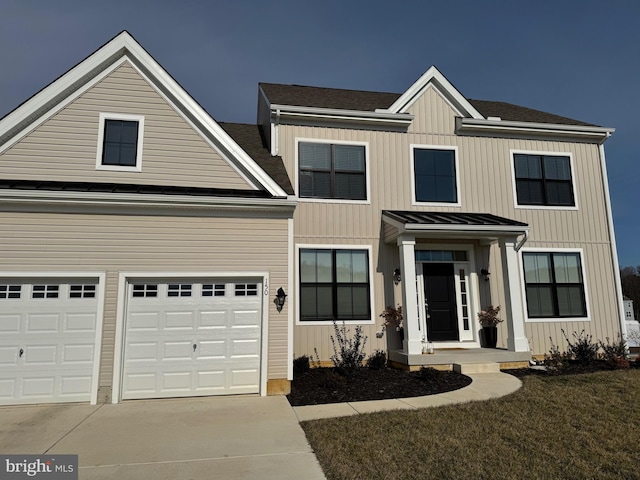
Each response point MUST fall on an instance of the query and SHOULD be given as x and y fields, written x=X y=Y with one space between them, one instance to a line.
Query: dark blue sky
x=577 y=58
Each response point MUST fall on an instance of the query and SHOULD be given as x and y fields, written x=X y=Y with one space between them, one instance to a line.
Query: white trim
x=419 y=146
x=523 y=285
x=124 y=278
x=433 y=75
x=367 y=166
x=612 y=237
x=513 y=152
x=100 y=294
x=368 y=248
x=124 y=45
x=140 y=140
x=291 y=307
x=378 y=118
x=502 y=127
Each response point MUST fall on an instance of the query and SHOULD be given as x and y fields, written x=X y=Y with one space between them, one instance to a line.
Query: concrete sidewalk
x=483 y=387
x=216 y=437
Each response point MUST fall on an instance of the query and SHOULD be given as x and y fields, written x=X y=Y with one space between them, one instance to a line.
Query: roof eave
x=472 y=125
x=340 y=115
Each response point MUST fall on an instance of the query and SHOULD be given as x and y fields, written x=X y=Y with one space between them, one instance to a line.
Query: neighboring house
x=143 y=243
x=628 y=308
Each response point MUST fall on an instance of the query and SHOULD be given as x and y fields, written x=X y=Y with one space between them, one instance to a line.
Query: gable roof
x=100 y=63
x=252 y=140
x=343 y=99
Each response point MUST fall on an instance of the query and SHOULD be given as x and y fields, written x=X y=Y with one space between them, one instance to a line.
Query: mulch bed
x=325 y=385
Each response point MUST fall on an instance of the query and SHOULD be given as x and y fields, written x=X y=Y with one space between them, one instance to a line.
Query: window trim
x=367 y=173
x=126 y=117
x=369 y=250
x=523 y=285
x=514 y=152
x=456 y=160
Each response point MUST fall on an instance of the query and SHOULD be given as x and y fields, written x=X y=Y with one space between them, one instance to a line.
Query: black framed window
x=332 y=171
x=334 y=285
x=120 y=143
x=554 y=285
x=543 y=180
x=435 y=175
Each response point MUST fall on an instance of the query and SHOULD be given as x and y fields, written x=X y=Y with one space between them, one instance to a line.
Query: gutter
x=352 y=116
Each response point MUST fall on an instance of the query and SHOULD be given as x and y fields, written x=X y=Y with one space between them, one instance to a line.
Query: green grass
x=564 y=427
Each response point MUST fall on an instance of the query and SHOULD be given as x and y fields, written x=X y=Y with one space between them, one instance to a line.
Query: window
x=554 y=285
x=213 y=290
x=145 y=290
x=179 y=290
x=246 y=290
x=332 y=171
x=543 y=180
x=10 y=291
x=435 y=175
x=120 y=142
x=45 y=291
x=334 y=285
x=82 y=291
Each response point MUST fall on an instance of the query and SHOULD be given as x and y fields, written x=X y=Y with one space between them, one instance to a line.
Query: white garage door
x=192 y=338
x=47 y=340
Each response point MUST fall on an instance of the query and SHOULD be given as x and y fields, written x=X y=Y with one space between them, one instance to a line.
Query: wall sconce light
x=485 y=274
x=397 y=277
x=280 y=299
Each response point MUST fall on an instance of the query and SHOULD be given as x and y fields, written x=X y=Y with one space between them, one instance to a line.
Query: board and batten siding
x=135 y=243
x=486 y=186
x=66 y=145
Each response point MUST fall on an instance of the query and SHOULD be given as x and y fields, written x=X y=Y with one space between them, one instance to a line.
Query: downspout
x=612 y=237
x=275 y=145
x=522 y=242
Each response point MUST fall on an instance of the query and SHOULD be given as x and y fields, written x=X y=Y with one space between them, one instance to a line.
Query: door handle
x=21 y=352
x=194 y=347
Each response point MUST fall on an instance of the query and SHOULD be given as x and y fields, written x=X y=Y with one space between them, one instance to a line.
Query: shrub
x=615 y=353
x=583 y=350
x=348 y=353
x=301 y=365
x=377 y=360
x=429 y=373
x=555 y=359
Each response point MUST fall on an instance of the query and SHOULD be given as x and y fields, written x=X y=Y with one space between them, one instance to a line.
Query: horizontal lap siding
x=110 y=243
x=486 y=186
x=66 y=144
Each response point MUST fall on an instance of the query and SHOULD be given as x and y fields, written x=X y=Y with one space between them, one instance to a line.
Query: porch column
x=412 y=339
x=517 y=338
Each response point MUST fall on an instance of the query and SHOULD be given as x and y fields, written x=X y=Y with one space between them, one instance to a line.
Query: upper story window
x=543 y=180
x=332 y=171
x=120 y=142
x=435 y=175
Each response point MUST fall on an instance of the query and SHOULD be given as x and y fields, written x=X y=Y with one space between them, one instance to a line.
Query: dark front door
x=440 y=298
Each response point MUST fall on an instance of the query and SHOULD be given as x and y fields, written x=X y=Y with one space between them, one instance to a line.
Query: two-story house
x=147 y=250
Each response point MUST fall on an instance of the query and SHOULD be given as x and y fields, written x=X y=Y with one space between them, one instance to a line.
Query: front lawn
x=568 y=427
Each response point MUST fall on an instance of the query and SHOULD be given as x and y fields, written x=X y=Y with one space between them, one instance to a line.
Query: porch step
x=486 y=367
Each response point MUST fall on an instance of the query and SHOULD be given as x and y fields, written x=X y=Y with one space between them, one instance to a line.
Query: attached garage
x=192 y=337
x=49 y=339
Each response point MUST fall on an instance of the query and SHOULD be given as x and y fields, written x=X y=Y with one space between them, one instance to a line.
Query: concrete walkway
x=483 y=387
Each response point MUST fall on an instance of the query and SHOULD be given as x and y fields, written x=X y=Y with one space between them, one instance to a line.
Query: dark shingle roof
x=448 y=218
x=253 y=142
x=370 y=101
x=55 y=186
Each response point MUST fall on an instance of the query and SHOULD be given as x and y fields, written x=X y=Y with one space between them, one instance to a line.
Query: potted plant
x=393 y=319
x=489 y=320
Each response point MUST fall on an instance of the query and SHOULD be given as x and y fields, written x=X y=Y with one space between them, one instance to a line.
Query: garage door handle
x=21 y=352
x=194 y=347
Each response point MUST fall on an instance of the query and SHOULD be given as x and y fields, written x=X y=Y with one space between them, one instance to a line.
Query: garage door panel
x=8 y=356
x=41 y=355
x=74 y=385
x=80 y=323
x=10 y=323
x=224 y=327
x=78 y=353
x=41 y=387
x=8 y=388
x=39 y=323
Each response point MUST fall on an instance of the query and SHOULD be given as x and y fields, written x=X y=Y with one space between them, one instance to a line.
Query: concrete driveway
x=197 y=438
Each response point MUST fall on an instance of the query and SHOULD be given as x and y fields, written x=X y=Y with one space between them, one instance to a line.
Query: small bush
x=582 y=349
x=348 y=353
x=301 y=365
x=615 y=353
x=555 y=359
x=429 y=373
x=377 y=360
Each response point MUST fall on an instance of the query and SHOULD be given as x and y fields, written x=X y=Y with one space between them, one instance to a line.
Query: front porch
x=446 y=358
